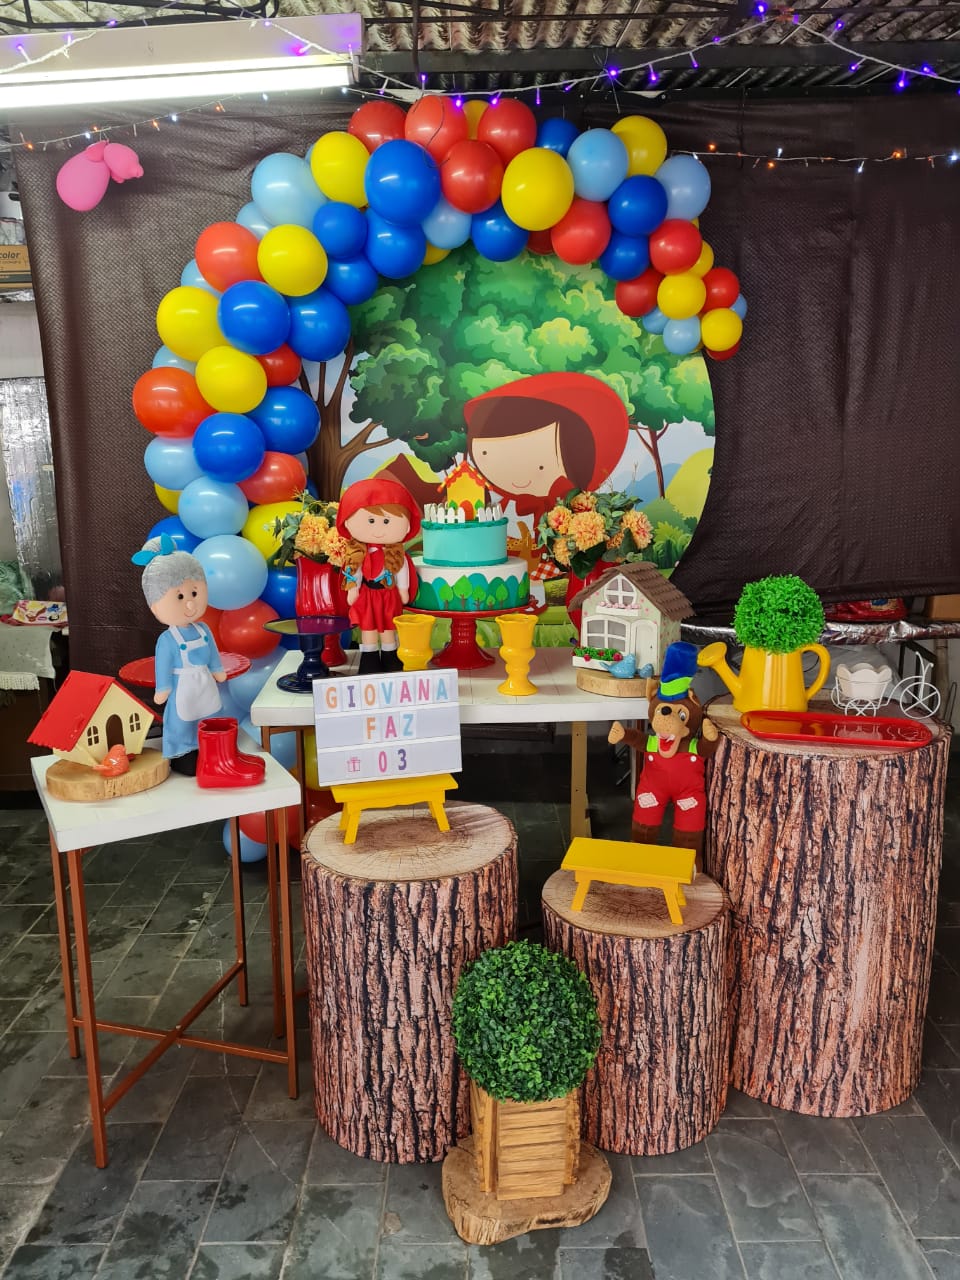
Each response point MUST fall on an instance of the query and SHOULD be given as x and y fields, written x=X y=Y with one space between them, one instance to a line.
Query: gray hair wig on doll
x=165 y=567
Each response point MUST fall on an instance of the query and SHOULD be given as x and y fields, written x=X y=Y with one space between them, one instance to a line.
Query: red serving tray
x=836 y=730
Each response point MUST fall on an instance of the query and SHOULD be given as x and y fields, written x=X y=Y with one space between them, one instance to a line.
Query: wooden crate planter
x=525 y=1149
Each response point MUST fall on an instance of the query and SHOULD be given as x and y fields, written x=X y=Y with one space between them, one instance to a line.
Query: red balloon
x=226 y=254
x=471 y=176
x=377 y=122
x=320 y=805
x=242 y=630
x=675 y=246
x=540 y=242
x=723 y=288
x=254 y=826
x=509 y=127
x=436 y=124
x=212 y=618
x=582 y=233
x=723 y=355
x=638 y=296
x=279 y=478
x=281 y=366
x=168 y=402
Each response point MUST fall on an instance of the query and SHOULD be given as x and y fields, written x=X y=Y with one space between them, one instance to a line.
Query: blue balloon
x=211 y=507
x=251 y=218
x=638 y=206
x=624 y=257
x=167 y=359
x=497 y=237
x=288 y=419
x=174 y=528
x=341 y=229
x=446 y=227
x=319 y=328
x=246 y=686
x=682 y=336
x=228 y=446
x=314 y=492
x=739 y=306
x=283 y=748
x=170 y=462
x=393 y=250
x=250 y=850
x=402 y=182
x=599 y=162
x=284 y=191
x=190 y=275
x=654 y=321
x=352 y=280
x=254 y=317
x=235 y=570
x=687 y=184
x=557 y=134
x=280 y=593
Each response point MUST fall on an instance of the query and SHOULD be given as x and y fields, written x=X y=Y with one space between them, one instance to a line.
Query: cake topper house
x=630 y=609
x=464 y=488
x=89 y=715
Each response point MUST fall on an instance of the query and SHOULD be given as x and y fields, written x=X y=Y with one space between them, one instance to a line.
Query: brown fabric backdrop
x=837 y=450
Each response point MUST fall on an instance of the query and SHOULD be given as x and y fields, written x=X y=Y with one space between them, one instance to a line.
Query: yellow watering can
x=767 y=681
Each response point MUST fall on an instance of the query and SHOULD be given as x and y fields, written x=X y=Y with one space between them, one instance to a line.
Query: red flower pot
x=320 y=594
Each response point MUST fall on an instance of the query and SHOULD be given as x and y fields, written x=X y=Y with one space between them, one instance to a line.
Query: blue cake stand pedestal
x=312 y=634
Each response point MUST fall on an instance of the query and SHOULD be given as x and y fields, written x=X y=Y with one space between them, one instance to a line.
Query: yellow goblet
x=413 y=634
x=516 y=650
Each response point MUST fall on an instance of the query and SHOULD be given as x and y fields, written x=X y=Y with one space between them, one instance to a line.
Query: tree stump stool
x=830 y=856
x=660 y=1080
x=390 y=922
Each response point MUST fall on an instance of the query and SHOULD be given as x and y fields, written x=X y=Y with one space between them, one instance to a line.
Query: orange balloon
x=473 y=110
x=242 y=630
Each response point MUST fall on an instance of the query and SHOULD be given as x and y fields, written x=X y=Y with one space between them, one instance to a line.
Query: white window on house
x=606 y=633
x=620 y=593
x=93 y=735
x=134 y=721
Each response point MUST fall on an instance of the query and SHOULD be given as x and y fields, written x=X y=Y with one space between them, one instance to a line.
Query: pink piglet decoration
x=82 y=182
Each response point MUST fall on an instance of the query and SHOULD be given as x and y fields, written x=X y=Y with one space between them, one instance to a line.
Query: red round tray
x=141 y=673
x=822 y=728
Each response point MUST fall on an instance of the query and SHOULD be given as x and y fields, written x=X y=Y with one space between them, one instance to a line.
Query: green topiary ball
x=525 y=1023
x=778 y=614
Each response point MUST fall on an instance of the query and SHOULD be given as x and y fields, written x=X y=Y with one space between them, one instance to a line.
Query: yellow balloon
x=169 y=498
x=187 y=321
x=704 y=262
x=230 y=380
x=292 y=260
x=258 y=528
x=473 y=109
x=338 y=162
x=310 y=760
x=433 y=255
x=537 y=189
x=721 y=329
x=680 y=297
x=645 y=141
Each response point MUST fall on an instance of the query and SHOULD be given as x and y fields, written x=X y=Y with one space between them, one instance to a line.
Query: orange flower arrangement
x=588 y=527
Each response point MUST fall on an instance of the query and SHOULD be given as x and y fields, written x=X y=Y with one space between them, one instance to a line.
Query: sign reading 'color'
x=405 y=725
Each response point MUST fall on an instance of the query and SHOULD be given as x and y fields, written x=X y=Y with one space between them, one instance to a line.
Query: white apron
x=197 y=692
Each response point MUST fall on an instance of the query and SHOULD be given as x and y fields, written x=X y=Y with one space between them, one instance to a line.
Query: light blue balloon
x=446 y=227
x=235 y=570
x=283 y=748
x=245 y=687
x=284 y=191
x=740 y=306
x=190 y=275
x=599 y=162
x=654 y=321
x=251 y=218
x=167 y=359
x=250 y=850
x=170 y=462
x=211 y=507
x=680 y=337
x=687 y=184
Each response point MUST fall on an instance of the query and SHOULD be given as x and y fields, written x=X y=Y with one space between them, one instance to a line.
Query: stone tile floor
x=216 y=1175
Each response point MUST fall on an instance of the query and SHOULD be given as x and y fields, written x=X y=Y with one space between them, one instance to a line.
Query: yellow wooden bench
x=654 y=866
x=387 y=792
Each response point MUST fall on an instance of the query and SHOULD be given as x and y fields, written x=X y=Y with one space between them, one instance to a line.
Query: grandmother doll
x=377 y=517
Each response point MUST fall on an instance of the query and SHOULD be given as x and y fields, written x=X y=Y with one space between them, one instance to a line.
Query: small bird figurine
x=624 y=667
x=114 y=763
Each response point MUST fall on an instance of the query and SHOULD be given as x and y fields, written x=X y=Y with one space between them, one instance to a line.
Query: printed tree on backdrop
x=422 y=348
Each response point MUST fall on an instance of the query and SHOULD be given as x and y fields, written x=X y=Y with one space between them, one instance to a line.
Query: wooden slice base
x=70 y=781
x=480 y=1218
x=603 y=682
x=390 y=922
x=660 y=1079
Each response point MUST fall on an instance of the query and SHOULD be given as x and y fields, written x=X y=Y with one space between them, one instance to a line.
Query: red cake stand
x=461 y=651
x=140 y=671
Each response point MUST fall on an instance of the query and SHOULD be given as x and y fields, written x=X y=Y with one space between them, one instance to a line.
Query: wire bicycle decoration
x=862 y=689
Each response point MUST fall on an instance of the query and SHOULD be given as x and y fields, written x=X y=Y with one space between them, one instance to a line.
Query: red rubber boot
x=219 y=763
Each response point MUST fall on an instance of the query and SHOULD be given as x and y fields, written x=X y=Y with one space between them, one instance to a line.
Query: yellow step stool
x=654 y=866
x=386 y=793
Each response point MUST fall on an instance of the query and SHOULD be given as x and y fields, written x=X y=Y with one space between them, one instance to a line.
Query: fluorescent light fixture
x=178 y=62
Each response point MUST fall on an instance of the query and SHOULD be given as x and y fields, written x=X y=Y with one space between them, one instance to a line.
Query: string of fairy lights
x=608 y=76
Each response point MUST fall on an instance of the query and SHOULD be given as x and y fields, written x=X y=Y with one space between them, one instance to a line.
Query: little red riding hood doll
x=377 y=517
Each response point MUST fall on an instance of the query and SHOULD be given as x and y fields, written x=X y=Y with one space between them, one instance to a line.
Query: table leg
x=580 y=893
x=275 y=858
x=286 y=918
x=239 y=924
x=579 y=812
x=66 y=957
x=88 y=1013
